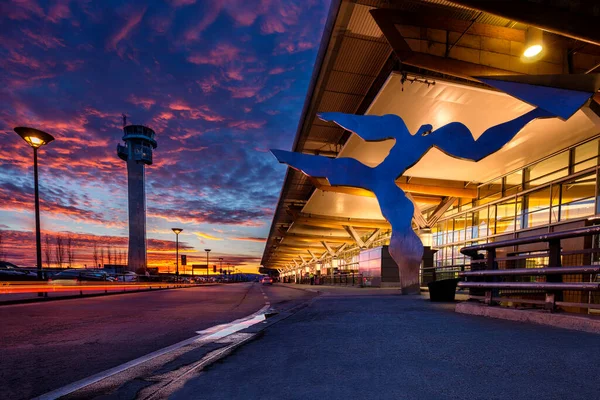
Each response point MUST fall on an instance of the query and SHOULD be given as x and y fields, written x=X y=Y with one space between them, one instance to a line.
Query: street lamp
x=36 y=139
x=207 y=251
x=177 y=232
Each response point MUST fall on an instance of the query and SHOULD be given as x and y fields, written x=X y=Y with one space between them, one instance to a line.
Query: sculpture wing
x=338 y=171
x=369 y=127
x=456 y=140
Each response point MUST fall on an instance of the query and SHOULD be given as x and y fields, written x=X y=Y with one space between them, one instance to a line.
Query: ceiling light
x=533 y=42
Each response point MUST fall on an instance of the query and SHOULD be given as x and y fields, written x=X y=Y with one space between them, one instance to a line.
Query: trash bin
x=442 y=290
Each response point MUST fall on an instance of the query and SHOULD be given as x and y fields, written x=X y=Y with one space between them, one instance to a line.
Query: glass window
x=469 y=226
x=538 y=200
x=505 y=216
x=586 y=156
x=537 y=208
x=482 y=224
x=578 y=198
x=458 y=256
x=459 y=229
x=513 y=183
x=466 y=206
x=547 y=170
x=492 y=220
x=555 y=201
x=490 y=191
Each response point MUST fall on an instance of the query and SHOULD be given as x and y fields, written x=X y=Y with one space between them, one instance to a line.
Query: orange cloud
x=250 y=239
x=207 y=236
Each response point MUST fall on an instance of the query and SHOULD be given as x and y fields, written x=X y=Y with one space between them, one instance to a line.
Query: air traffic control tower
x=137 y=151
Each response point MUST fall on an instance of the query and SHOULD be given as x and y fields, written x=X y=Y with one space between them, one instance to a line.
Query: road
x=355 y=344
x=48 y=345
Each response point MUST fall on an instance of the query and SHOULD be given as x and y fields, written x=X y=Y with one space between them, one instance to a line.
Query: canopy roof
x=366 y=52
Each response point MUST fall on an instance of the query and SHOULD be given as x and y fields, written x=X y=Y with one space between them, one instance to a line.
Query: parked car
x=11 y=272
x=267 y=280
x=128 y=276
x=75 y=276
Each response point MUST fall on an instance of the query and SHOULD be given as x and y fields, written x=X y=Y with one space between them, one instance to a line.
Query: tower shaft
x=137 y=215
x=137 y=153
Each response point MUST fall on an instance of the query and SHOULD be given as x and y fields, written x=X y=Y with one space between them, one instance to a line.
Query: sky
x=221 y=82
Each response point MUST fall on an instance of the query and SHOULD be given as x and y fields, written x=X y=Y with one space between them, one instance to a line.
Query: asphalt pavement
x=44 y=346
x=368 y=344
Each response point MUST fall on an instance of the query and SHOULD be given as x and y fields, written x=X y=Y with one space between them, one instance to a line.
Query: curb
x=575 y=322
x=289 y=286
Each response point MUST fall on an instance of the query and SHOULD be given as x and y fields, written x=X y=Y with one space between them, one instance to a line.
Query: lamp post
x=36 y=139
x=207 y=266
x=177 y=232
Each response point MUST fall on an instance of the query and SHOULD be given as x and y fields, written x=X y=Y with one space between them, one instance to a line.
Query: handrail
x=547 y=237
x=584 y=286
x=591 y=269
x=488 y=277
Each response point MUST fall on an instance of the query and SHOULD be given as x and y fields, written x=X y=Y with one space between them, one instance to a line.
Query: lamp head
x=177 y=230
x=207 y=250
x=34 y=137
x=533 y=42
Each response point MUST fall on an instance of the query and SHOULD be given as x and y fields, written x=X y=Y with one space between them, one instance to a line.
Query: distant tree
x=60 y=251
x=101 y=257
x=48 y=251
x=2 y=254
x=95 y=254
x=110 y=254
x=70 y=251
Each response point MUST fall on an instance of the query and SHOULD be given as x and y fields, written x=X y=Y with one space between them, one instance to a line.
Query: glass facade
x=559 y=188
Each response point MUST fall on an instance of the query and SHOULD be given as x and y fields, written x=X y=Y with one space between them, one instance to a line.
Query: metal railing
x=343 y=279
x=551 y=278
x=432 y=274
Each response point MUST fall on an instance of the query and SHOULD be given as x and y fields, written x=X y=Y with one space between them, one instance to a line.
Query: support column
x=137 y=215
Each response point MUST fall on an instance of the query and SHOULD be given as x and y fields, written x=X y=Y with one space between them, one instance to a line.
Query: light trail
x=28 y=287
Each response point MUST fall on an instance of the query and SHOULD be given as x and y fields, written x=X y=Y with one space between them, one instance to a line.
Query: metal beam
x=340 y=249
x=354 y=236
x=328 y=248
x=387 y=19
x=582 y=27
x=417 y=214
x=439 y=20
x=372 y=238
x=440 y=210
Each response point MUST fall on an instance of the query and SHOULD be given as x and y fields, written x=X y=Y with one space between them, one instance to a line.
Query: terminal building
x=418 y=59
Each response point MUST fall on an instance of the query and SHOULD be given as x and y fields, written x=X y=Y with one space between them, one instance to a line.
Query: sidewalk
x=384 y=346
x=359 y=291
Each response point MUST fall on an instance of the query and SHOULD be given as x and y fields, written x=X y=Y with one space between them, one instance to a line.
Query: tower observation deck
x=137 y=152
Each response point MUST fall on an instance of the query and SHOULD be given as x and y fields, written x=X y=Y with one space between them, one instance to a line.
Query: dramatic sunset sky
x=220 y=81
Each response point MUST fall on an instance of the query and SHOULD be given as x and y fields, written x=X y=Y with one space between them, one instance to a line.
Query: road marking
x=207 y=334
